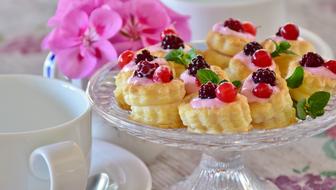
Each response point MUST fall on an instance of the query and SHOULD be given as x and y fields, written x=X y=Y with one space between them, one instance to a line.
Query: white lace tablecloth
x=308 y=163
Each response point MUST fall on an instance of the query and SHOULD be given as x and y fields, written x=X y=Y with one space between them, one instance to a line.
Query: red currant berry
x=167 y=31
x=331 y=65
x=262 y=58
x=262 y=90
x=290 y=32
x=248 y=27
x=125 y=57
x=198 y=83
x=226 y=92
x=163 y=74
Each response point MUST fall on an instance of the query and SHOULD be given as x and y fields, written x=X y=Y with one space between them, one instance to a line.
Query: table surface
x=310 y=163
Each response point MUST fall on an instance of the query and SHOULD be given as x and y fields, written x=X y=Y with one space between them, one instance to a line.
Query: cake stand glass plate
x=222 y=166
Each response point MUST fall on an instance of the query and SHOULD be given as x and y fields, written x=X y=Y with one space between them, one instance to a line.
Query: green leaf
x=180 y=57
x=296 y=79
x=282 y=48
x=328 y=173
x=329 y=149
x=296 y=171
x=306 y=168
x=301 y=109
x=237 y=83
x=206 y=75
x=317 y=102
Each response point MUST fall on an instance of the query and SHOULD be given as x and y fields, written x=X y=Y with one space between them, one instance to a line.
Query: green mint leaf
x=317 y=102
x=206 y=75
x=301 y=109
x=282 y=48
x=177 y=56
x=284 y=45
x=191 y=54
x=237 y=83
x=296 y=79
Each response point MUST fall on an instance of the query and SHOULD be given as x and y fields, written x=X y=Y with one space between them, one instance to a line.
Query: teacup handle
x=50 y=72
x=63 y=163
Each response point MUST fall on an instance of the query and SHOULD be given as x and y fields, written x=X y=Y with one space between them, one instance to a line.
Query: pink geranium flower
x=143 y=21
x=88 y=33
x=81 y=41
x=331 y=133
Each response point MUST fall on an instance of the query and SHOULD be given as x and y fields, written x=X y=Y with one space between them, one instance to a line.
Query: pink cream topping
x=248 y=87
x=144 y=81
x=219 y=27
x=206 y=103
x=189 y=82
x=321 y=71
x=280 y=39
x=248 y=61
x=129 y=67
x=157 y=47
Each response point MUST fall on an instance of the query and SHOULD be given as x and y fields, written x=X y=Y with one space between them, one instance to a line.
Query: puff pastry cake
x=298 y=45
x=318 y=76
x=269 y=100
x=216 y=109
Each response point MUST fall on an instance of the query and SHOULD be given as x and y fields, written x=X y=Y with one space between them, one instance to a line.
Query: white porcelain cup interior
x=45 y=134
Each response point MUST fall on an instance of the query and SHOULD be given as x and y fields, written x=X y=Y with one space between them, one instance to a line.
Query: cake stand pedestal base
x=222 y=171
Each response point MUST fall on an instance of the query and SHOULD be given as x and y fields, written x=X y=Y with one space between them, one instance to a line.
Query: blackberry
x=146 y=69
x=251 y=47
x=311 y=59
x=265 y=76
x=144 y=56
x=234 y=24
x=196 y=64
x=207 y=91
x=172 y=42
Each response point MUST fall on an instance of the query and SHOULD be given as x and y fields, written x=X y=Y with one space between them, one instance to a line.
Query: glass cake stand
x=221 y=167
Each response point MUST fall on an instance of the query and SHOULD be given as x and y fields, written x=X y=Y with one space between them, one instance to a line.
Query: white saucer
x=124 y=168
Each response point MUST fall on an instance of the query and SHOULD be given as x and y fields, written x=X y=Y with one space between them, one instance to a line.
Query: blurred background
x=23 y=24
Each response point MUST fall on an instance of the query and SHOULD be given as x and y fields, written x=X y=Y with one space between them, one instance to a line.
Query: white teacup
x=45 y=134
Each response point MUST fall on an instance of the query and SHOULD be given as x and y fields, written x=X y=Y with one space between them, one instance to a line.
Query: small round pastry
x=128 y=61
x=189 y=76
x=229 y=38
x=162 y=116
x=269 y=100
x=216 y=59
x=318 y=76
x=216 y=110
x=154 y=95
x=252 y=58
x=290 y=33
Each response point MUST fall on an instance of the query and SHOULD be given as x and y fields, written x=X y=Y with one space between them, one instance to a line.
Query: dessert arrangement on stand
x=223 y=96
x=236 y=85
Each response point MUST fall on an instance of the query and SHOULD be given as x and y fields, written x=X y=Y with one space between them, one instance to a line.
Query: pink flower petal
x=108 y=52
x=75 y=65
x=58 y=40
x=75 y=22
x=106 y=22
x=150 y=13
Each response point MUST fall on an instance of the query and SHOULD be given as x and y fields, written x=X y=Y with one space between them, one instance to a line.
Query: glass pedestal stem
x=222 y=171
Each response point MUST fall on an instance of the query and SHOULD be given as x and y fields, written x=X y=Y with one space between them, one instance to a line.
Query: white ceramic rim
x=64 y=85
